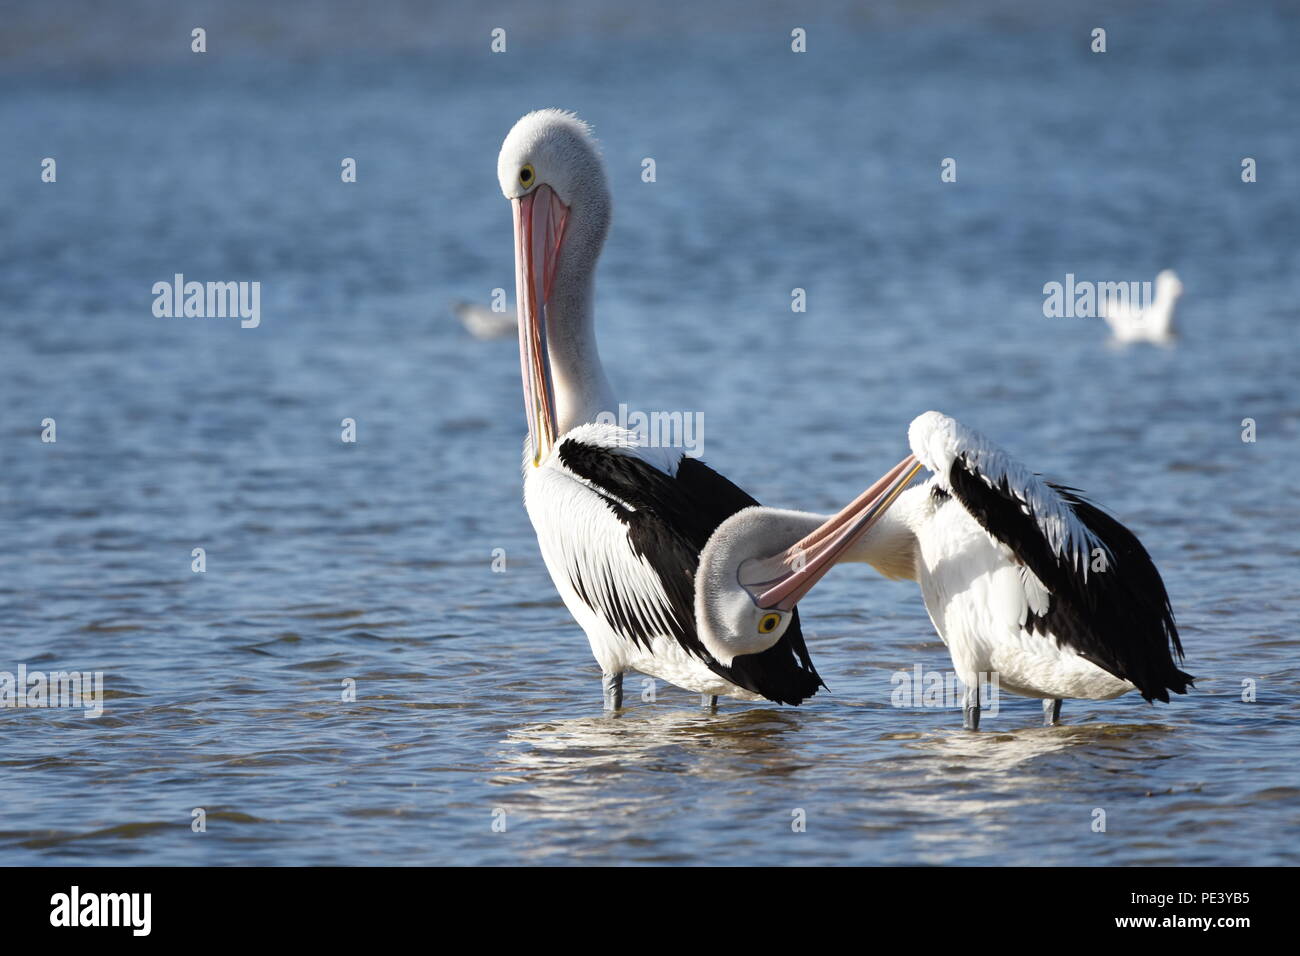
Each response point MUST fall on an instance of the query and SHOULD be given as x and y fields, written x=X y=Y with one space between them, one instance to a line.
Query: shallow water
x=476 y=694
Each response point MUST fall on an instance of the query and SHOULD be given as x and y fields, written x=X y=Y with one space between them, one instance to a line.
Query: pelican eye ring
x=526 y=175
x=768 y=622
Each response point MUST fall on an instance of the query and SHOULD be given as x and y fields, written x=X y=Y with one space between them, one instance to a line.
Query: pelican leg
x=612 y=687
x=970 y=708
x=709 y=702
x=1051 y=712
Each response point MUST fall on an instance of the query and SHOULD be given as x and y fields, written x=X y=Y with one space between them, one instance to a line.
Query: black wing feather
x=670 y=520
x=1119 y=618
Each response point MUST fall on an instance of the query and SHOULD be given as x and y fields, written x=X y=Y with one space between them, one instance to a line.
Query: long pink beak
x=540 y=219
x=780 y=581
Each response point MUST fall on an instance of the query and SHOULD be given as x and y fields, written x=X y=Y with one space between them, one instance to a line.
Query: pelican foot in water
x=611 y=686
x=709 y=702
x=1051 y=711
x=970 y=709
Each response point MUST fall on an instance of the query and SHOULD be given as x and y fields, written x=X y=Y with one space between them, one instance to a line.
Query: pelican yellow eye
x=526 y=175
x=768 y=622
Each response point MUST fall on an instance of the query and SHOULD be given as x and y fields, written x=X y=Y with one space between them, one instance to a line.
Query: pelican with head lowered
x=1022 y=578
x=621 y=523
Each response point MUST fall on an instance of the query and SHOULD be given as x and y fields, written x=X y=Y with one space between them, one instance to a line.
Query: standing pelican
x=1022 y=578
x=620 y=524
x=1129 y=323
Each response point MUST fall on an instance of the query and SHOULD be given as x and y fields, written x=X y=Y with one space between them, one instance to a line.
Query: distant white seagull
x=1129 y=323
x=482 y=323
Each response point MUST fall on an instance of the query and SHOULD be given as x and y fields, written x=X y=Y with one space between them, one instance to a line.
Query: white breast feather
x=582 y=540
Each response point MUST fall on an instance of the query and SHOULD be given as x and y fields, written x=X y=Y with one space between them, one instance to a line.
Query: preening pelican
x=620 y=525
x=1129 y=323
x=1022 y=578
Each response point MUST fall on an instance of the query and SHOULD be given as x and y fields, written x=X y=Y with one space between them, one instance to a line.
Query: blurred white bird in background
x=1130 y=323
x=482 y=323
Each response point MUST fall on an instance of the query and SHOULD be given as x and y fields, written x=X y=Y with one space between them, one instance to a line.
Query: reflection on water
x=745 y=742
x=616 y=776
